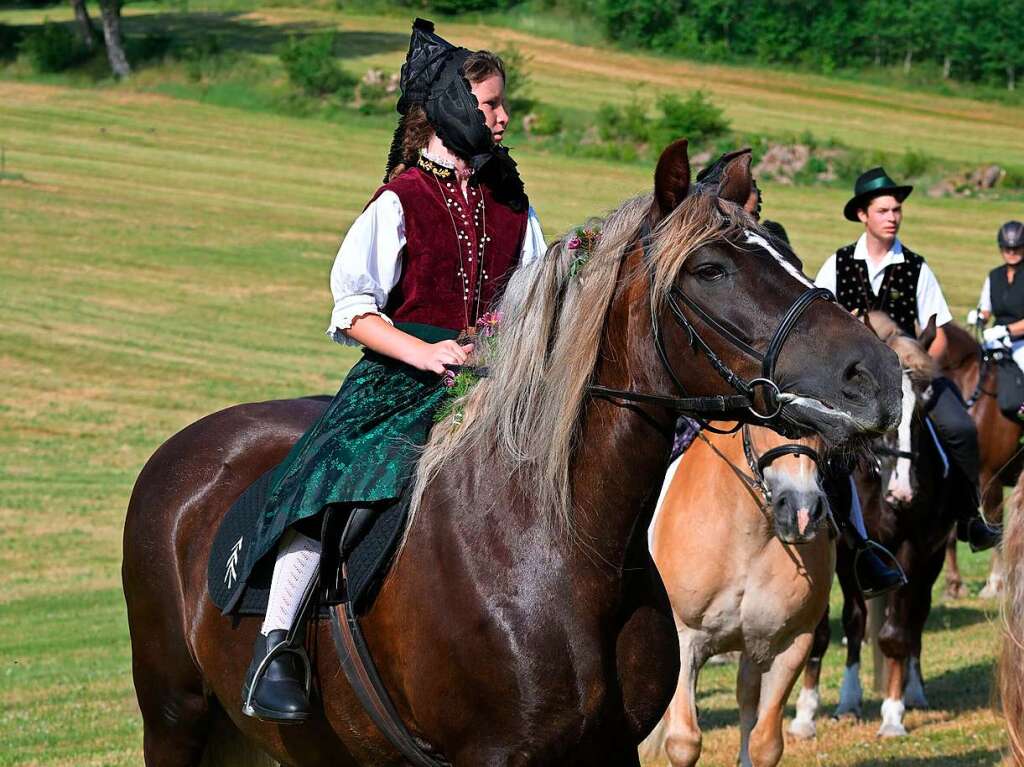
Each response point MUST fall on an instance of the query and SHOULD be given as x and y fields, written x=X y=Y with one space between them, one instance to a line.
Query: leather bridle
x=746 y=389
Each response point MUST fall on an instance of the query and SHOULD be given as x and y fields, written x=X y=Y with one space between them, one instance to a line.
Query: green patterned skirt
x=364 y=448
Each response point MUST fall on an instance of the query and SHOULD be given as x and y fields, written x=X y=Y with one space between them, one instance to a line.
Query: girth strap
x=362 y=676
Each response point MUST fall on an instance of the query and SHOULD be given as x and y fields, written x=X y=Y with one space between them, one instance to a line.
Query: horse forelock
x=523 y=420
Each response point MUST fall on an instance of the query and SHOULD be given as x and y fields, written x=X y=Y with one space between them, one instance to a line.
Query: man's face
x=490 y=94
x=1012 y=256
x=883 y=217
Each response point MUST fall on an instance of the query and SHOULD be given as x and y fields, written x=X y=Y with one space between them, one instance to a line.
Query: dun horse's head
x=734 y=312
x=790 y=479
x=901 y=445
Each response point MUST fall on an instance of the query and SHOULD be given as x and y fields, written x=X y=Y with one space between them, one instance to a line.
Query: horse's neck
x=624 y=448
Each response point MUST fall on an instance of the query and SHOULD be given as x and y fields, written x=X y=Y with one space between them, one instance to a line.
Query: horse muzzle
x=798 y=515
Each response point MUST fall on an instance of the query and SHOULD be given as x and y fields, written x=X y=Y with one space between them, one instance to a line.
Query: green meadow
x=164 y=254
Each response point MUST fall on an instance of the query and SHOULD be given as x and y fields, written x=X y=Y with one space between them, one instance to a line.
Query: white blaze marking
x=899 y=483
x=756 y=239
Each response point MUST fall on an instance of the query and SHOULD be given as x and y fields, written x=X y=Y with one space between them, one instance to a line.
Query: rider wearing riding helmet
x=878 y=272
x=415 y=273
x=1002 y=295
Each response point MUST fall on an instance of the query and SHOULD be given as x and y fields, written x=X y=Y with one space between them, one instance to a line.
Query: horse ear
x=672 y=177
x=737 y=184
x=928 y=334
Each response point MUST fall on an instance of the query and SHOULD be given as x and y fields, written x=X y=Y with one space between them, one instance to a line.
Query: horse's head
x=733 y=312
x=787 y=471
x=901 y=445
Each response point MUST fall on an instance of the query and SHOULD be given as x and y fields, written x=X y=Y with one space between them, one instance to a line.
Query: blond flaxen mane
x=524 y=418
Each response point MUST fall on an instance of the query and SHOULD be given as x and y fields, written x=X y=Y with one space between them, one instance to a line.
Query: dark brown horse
x=998 y=439
x=905 y=509
x=522 y=621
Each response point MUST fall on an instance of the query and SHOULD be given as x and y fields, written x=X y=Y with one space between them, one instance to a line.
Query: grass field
x=163 y=258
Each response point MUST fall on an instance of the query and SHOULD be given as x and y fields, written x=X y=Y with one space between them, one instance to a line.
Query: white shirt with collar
x=929 y=295
x=369 y=262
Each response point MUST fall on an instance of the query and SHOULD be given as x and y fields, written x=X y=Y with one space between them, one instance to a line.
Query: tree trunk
x=947 y=66
x=908 y=60
x=1011 y=77
x=86 y=31
x=110 y=11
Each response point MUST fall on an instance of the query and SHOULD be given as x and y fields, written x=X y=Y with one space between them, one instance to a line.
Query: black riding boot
x=275 y=688
x=874 y=576
x=971 y=527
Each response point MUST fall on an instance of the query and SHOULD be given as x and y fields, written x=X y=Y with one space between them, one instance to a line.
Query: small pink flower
x=488 y=323
x=448 y=379
x=573 y=243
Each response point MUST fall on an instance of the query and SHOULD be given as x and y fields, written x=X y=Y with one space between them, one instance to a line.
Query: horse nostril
x=858 y=382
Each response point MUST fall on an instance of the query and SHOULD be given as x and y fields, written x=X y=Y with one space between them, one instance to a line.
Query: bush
x=626 y=123
x=915 y=163
x=153 y=46
x=377 y=93
x=311 y=66
x=52 y=48
x=455 y=7
x=9 y=38
x=545 y=121
x=696 y=118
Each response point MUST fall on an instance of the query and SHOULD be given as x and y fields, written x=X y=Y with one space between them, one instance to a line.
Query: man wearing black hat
x=878 y=272
x=416 y=274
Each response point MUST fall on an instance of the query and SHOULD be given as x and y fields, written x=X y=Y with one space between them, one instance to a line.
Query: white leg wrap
x=295 y=568
x=851 y=694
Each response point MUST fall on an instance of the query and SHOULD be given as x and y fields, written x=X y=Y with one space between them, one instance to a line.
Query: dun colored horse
x=903 y=498
x=1011 y=659
x=522 y=621
x=998 y=439
x=740 y=539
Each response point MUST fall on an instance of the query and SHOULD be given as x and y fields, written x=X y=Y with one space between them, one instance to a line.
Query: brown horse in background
x=741 y=540
x=998 y=440
x=905 y=509
x=522 y=621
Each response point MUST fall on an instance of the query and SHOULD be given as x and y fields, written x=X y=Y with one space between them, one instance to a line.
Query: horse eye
x=710 y=272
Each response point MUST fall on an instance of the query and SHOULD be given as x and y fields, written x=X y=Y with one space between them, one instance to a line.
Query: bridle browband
x=744 y=399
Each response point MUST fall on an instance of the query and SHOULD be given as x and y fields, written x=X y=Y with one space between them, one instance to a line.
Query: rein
x=746 y=389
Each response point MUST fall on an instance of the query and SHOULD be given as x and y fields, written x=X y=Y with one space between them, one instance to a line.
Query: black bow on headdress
x=432 y=78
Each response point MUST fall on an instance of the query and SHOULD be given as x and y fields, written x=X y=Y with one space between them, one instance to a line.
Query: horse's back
x=192 y=479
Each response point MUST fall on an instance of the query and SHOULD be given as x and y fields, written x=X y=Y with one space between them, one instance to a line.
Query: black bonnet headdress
x=432 y=78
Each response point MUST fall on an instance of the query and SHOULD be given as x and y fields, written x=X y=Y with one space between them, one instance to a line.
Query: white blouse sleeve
x=368 y=265
x=985 y=301
x=930 y=299
x=827 y=275
x=533 y=243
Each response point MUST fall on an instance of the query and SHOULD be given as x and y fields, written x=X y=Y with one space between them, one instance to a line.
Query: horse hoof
x=956 y=591
x=802 y=729
x=993 y=590
x=892 y=730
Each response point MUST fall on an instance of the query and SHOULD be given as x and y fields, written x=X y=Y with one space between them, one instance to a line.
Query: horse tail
x=1011 y=661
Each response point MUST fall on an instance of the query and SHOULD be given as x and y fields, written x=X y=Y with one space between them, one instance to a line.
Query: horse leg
x=175 y=709
x=917 y=616
x=679 y=731
x=807 y=703
x=851 y=694
x=906 y=606
x=766 y=742
x=955 y=588
x=748 y=696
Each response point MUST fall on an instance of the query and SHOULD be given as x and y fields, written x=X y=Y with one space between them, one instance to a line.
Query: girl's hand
x=434 y=357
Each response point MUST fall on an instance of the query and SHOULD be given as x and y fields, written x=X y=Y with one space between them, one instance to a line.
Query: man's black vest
x=898 y=295
x=1007 y=297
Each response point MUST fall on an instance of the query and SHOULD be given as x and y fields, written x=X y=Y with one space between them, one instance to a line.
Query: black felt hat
x=871 y=184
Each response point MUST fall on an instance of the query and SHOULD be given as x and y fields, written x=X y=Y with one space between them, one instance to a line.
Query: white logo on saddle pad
x=230 y=574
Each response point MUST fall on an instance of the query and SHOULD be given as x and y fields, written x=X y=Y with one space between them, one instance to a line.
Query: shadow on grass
x=977 y=758
x=953 y=616
x=963 y=689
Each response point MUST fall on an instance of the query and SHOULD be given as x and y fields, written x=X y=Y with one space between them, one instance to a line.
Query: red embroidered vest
x=436 y=287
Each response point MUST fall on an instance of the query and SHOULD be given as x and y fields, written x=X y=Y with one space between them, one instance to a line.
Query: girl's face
x=1012 y=256
x=490 y=94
